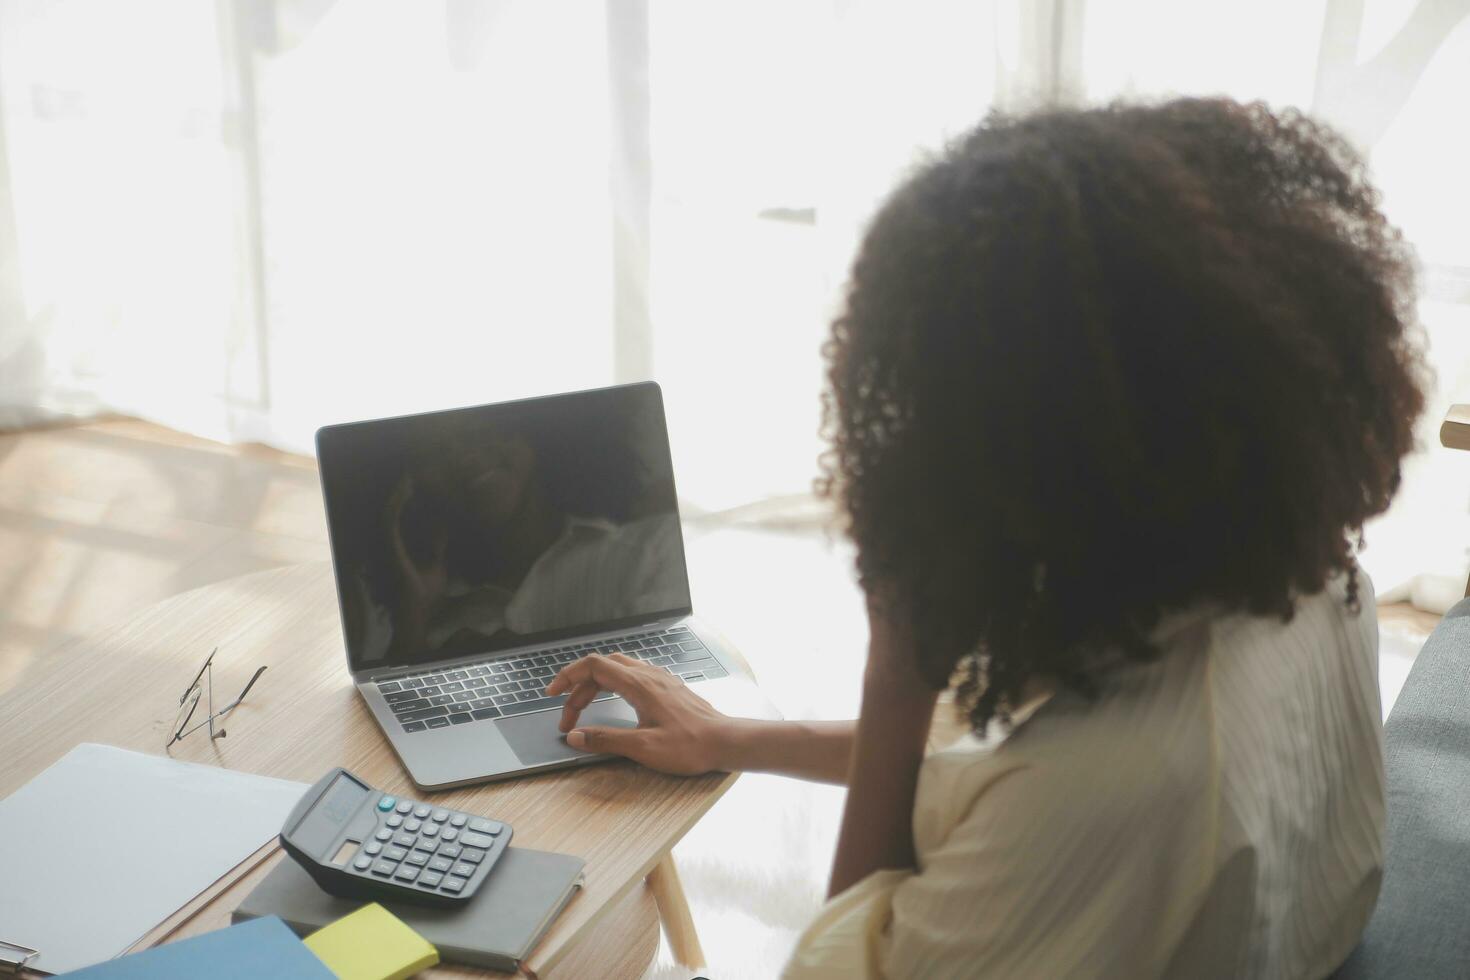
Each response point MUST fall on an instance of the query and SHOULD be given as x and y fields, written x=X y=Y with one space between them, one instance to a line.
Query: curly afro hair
x=1098 y=365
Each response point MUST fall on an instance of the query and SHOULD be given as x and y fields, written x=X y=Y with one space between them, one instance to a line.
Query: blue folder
x=248 y=951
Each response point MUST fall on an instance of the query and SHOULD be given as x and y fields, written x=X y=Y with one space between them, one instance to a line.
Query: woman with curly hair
x=1111 y=397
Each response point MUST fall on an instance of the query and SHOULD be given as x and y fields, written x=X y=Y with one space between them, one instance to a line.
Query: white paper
x=106 y=844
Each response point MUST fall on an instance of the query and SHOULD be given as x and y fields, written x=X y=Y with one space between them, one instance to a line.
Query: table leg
x=673 y=910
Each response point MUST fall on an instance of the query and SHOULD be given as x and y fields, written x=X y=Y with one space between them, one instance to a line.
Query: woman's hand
x=678 y=732
x=893 y=661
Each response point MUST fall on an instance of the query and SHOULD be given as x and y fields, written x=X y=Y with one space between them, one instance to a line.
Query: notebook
x=260 y=948
x=105 y=844
x=496 y=929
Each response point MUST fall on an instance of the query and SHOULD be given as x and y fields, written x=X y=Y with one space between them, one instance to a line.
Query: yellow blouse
x=1216 y=813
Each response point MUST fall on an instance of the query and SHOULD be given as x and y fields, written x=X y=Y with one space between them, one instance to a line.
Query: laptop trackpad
x=537 y=741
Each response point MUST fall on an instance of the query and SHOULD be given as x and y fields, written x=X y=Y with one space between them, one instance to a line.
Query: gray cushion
x=1421 y=925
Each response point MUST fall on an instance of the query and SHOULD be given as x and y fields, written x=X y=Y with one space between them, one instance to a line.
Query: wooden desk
x=304 y=717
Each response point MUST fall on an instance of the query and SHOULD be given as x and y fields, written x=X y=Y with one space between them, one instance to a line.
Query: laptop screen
x=468 y=531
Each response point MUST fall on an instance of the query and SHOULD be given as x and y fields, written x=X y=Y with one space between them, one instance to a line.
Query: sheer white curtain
x=249 y=218
x=253 y=217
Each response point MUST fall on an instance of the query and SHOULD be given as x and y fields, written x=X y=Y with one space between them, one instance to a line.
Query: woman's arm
x=898 y=708
x=817 y=750
x=680 y=732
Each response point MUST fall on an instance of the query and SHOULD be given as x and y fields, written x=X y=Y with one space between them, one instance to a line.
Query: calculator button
x=383 y=868
x=412 y=825
x=404 y=840
x=421 y=812
x=473 y=855
x=440 y=864
x=431 y=830
x=471 y=839
x=458 y=820
x=384 y=834
x=440 y=816
x=394 y=820
x=452 y=884
x=464 y=870
x=404 y=805
x=449 y=834
x=394 y=853
x=485 y=826
x=407 y=872
x=451 y=851
x=418 y=858
x=430 y=879
x=363 y=862
x=386 y=803
x=373 y=847
x=426 y=845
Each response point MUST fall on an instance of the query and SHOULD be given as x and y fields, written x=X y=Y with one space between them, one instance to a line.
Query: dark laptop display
x=462 y=532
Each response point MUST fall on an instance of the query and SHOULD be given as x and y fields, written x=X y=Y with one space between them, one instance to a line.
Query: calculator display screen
x=324 y=821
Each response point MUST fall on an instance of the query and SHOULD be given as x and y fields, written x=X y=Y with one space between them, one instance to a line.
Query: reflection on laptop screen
x=467 y=531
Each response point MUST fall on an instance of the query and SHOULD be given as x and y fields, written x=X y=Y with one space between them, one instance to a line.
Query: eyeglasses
x=189 y=703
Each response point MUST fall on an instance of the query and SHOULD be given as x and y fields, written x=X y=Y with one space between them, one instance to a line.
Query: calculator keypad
x=432 y=848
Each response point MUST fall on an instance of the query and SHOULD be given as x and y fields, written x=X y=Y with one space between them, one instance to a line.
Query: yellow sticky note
x=371 y=944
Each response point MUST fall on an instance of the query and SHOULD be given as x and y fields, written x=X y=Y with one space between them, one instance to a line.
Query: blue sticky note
x=263 y=947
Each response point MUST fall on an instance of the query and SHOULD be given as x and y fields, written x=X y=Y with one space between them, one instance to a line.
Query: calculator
x=359 y=842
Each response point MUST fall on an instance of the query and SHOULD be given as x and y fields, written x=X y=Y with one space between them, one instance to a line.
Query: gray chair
x=1421 y=926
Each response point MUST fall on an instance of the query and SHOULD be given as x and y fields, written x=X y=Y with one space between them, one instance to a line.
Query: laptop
x=478 y=551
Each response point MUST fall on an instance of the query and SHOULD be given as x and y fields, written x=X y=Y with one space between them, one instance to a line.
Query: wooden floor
x=100 y=519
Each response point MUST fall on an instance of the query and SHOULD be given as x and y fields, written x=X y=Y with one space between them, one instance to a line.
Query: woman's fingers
x=606 y=674
x=583 y=680
x=627 y=742
x=577 y=701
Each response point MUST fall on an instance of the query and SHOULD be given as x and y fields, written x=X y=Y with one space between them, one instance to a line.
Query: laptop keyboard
x=516 y=685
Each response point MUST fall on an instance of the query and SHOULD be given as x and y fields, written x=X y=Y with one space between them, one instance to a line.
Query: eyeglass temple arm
x=248 y=685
